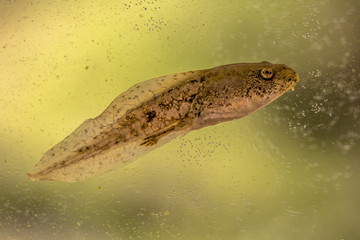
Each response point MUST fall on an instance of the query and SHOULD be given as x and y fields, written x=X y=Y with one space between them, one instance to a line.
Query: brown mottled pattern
x=192 y=100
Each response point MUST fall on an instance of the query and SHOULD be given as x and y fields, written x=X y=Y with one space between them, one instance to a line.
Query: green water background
x=289 y=171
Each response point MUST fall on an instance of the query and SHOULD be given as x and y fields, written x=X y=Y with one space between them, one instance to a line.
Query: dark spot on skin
x=150 y=116
x=164 y=106
x=247 y=94
x=191 y=98
x=197 y=111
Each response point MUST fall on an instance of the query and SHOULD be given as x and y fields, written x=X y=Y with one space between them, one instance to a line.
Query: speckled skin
x=168 y=107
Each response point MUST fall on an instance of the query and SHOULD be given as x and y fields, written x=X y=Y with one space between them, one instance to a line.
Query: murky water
x=289 y=171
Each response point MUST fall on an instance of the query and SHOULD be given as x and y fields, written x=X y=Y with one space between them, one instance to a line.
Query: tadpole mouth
x=297 y=79
x=293 y=80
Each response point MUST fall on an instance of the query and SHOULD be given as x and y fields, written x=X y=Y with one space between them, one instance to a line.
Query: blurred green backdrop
x=289 y=171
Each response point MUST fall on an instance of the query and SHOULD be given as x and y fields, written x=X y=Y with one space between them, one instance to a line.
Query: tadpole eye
x=266 y=73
